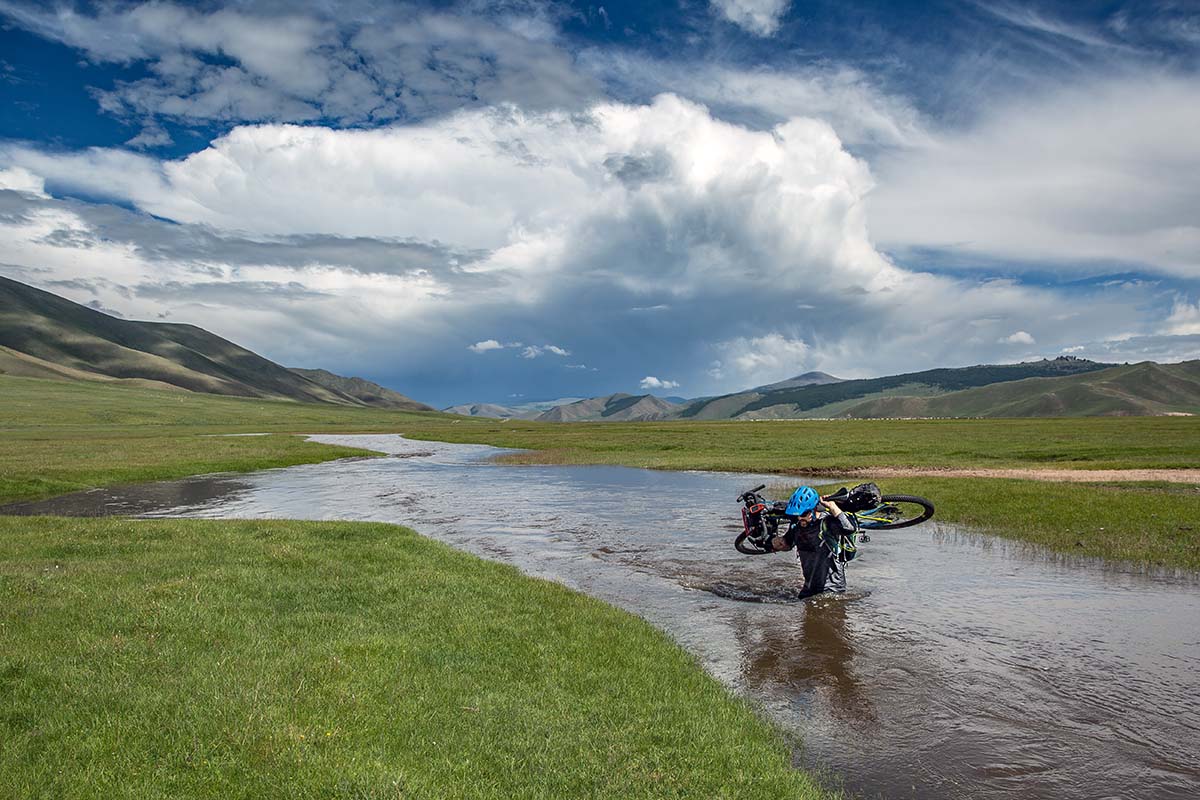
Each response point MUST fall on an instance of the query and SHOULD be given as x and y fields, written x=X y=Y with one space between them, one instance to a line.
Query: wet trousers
x=822 y=573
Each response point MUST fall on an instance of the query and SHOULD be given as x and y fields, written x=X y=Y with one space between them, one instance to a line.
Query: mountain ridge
x=939 y=380
x=367 y=392
x=41 y=332
x=617 y=407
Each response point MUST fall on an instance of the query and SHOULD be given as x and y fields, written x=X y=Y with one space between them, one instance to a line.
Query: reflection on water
x=958 y=666
x=811 y=656
x=142 y=498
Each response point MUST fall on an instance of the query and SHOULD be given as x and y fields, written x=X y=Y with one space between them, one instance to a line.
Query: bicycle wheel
x=748 y=548
x=896 y=511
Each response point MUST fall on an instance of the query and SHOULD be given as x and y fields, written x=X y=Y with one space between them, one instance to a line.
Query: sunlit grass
x=149 y=659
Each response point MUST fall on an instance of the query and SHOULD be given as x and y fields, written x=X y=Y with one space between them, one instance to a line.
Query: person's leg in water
x=837 y=576
x=816 y=565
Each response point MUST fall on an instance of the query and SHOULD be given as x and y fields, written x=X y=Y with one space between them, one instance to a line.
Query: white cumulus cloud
x=1020 y=337
x=623 y=229
x=1184 y=319
x=651 y=382
x=19 y=179
x=765 y=359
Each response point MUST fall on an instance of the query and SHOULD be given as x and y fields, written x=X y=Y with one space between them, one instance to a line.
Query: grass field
x=828 y=445
x=181 y=658
x=60 y=436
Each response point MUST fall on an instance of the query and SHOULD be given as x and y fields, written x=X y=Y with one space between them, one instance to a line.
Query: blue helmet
x=803 y=500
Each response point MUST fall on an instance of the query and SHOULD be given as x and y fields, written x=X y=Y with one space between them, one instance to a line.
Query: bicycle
x=870 y=510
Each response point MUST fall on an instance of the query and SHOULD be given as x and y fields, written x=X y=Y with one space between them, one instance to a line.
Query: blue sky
x=526 y=200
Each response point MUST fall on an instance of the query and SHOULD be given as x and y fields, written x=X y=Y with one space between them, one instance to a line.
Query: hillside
x=613 y=408
x=1145 y=389
x=366 y=392
x=44 y=335
x=833 y=399
x=807 y=379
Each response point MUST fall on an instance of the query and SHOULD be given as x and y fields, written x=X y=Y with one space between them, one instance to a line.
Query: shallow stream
x=959 y=665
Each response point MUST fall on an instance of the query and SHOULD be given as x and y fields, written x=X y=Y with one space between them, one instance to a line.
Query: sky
x=522 y=200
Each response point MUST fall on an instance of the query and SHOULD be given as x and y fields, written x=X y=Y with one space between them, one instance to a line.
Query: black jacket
x=824 y=529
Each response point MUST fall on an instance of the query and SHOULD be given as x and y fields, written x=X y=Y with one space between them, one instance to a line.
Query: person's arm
x=839 y=515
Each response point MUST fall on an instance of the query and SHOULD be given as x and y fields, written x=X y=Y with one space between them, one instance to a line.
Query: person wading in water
x=816 y=531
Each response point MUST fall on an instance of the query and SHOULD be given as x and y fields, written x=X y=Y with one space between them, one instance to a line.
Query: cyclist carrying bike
x=817 y=531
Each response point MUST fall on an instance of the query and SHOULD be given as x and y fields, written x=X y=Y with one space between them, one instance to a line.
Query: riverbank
x=61 y=436
x=175 y=658
x=1122 y=489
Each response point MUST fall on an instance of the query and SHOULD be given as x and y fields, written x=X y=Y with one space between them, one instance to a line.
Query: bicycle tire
x=740 y=545
x=896 y=512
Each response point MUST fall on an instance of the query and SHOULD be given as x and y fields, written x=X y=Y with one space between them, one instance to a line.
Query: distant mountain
x=44 y=335
x=613 y=408
x=807 y=379
x=546 y=405
x=834 y=399
x=530 y=410
x=492 y=411
x=366 y=392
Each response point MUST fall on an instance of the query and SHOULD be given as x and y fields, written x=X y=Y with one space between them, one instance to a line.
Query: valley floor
x=148 y=659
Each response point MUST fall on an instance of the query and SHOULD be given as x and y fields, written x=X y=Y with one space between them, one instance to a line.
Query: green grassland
x=60 y=436
x=805 y=446
x=183 y=658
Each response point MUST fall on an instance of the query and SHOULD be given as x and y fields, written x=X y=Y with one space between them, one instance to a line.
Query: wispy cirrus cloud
x=759 y=17
x=368 y=63
x=537 y=351
x=1058 y=178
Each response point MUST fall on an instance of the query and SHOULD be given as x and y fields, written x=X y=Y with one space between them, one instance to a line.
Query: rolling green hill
x=613 y=408
x=831 y=399
x=43 y=335
x=1145 y=389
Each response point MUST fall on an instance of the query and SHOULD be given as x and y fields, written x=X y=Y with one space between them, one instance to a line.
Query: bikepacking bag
x=862 y=497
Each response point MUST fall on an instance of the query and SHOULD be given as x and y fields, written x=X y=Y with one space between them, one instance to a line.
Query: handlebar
x=755 y=490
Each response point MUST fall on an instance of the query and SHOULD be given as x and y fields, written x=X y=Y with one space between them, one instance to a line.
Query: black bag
x=862 y=497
